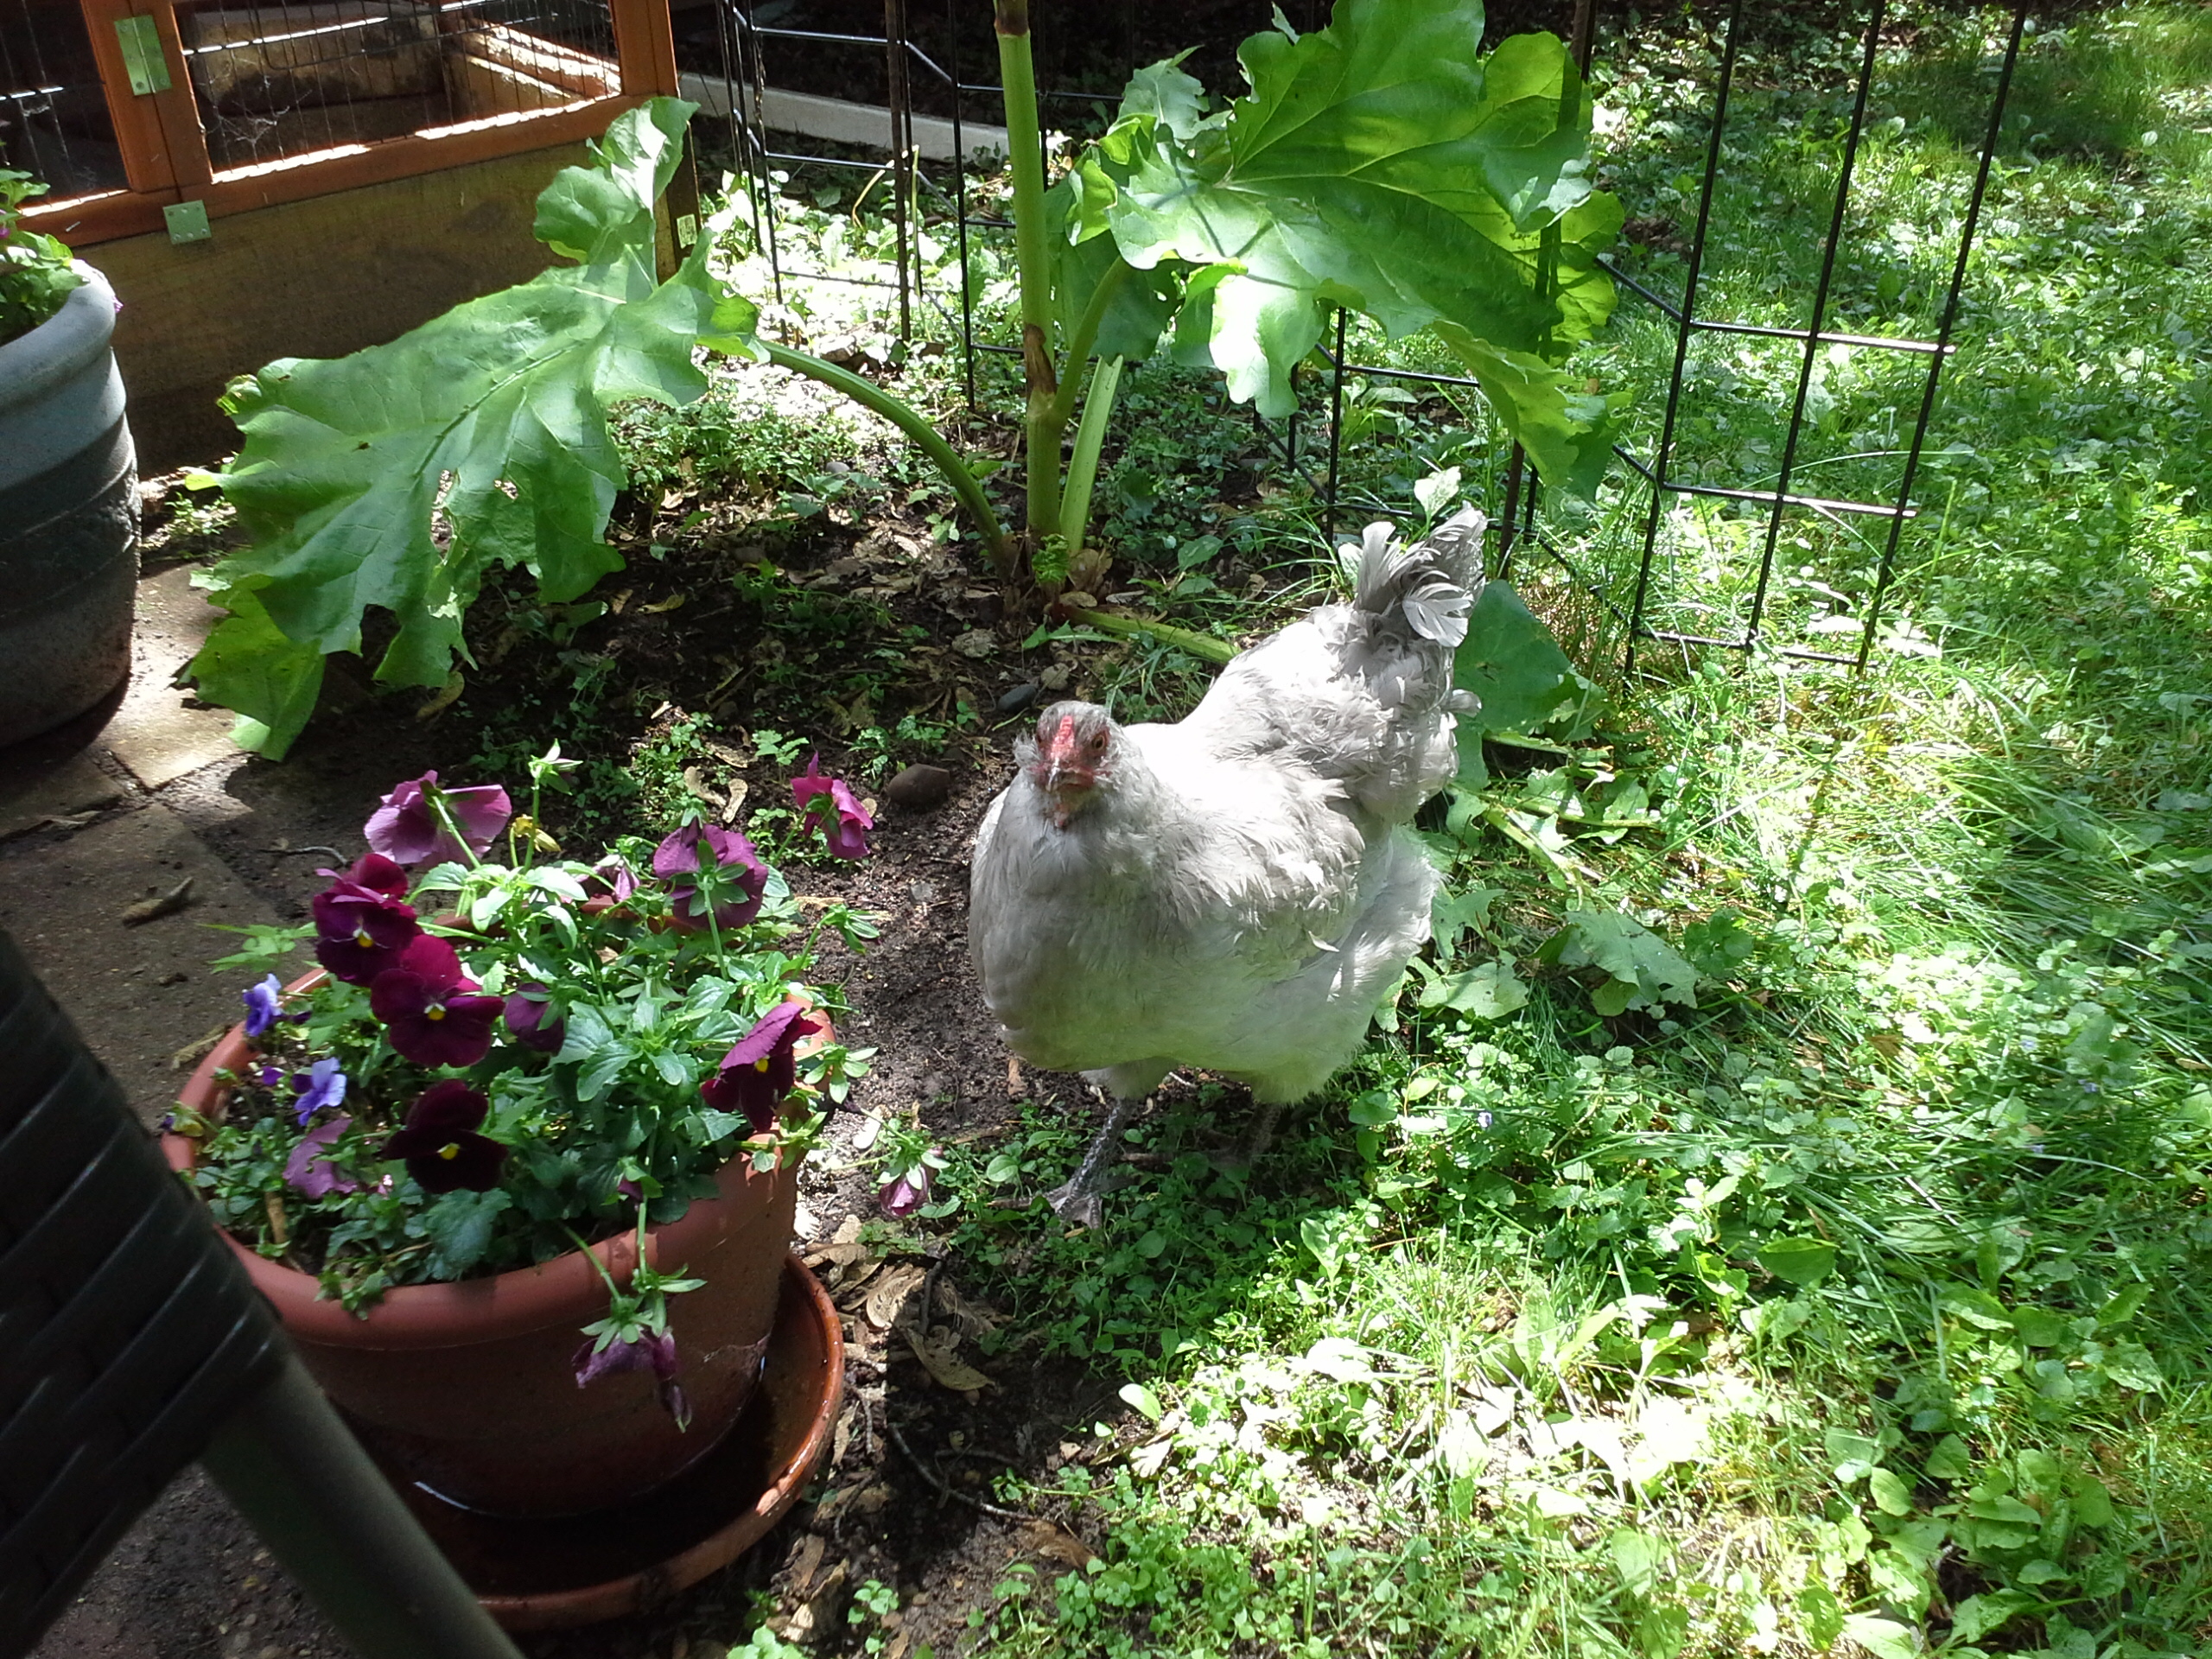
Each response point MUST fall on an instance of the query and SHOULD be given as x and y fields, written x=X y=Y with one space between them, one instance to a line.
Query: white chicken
x=1236 y=892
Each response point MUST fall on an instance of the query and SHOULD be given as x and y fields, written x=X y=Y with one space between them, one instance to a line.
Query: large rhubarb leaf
x=1379 y=164
x=399 y=476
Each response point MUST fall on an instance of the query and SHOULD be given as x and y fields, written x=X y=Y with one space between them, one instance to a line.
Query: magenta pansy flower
x=724 y=873
x=908 y=1194
x=440 y=1142
x=763 y=1068
x=430 y=1010
x=406 y=828
x=655 y=1355
x=844 y=823
x=309 y=1169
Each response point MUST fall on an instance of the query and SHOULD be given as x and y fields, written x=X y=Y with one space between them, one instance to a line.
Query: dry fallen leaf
x=844 y=1436
x=674 y=602
x=167 y=903
x=806 y=1561
x=940 y=1359
x=447 y=696
x=1058 y=1544
x=739 y=789
x=195 y=1050
x=892 y=1289
x=847 y=1230
x=841 y=1255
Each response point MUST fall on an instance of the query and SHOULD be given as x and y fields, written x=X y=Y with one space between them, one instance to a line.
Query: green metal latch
x=186 y=221
x=143 y=58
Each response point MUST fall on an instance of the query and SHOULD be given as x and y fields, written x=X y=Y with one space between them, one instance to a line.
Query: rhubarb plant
x=1381 y=164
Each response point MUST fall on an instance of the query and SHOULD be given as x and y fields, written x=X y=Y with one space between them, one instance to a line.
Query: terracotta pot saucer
x=550 y=1574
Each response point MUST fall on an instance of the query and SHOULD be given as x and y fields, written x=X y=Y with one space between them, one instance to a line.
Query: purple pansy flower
x=762 y=1069
x=271 y=1075
x=440 y=1142
x=526 y=1008
x=321 y=1085
x=406 y=829
x=643 y=1353
x=430 y=1010
x=309 y=1169
x=908 y=1194
x=264 y=1005
x=730 y=856
x=843 y=820
x=361 y=920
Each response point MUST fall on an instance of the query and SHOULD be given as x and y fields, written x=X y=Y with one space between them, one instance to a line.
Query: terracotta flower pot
x=470 y=1389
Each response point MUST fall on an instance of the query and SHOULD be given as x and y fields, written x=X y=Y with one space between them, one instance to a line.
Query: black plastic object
x=131 y=1342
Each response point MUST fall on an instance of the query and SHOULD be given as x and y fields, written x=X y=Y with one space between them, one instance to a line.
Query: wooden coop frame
x=514 y=93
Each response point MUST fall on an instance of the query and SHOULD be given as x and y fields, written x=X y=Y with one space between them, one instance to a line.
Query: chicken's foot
x=1078 y=1201
x=1239 y=1159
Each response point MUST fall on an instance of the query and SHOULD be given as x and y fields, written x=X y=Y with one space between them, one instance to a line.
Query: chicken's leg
x=1239 y=1159
x=1078 y=1201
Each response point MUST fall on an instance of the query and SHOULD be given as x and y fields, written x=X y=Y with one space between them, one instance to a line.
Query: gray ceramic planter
x=68 y=516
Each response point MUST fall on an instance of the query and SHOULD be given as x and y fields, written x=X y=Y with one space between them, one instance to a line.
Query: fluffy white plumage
x=1234 y=891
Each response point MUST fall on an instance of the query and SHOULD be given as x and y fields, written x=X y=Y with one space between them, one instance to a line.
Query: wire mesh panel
x=1766 y=522
x=55 y=123
x=275 y=82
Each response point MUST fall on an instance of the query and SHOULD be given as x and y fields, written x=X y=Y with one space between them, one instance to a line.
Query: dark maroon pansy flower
x=655 y=1355
x=405 y=827
x=738 y=877
x=361 y=922
x=844 y=823
x=527 y=1007
x=440 y=1143
x=431 y=1010
x=763 y=1068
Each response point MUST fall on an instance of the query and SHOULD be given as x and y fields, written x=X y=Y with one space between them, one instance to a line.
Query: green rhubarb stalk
x=871 y=395
x=1032 y=262
x=1204 y=646
x=1086 y=336
x=1083 y=466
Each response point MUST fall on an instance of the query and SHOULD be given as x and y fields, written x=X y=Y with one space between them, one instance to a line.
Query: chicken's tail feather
x=1428 y=587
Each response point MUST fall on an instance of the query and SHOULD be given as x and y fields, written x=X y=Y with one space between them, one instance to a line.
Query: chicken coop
x=263 y=178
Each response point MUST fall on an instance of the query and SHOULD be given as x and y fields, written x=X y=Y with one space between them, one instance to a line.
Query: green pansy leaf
x=459 y=1227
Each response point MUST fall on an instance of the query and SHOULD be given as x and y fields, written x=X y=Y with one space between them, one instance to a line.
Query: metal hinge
x=144 y=59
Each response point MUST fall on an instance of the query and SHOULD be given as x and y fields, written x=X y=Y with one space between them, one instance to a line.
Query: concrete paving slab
x=156 y=732
x=138 y=994
x=35 y=793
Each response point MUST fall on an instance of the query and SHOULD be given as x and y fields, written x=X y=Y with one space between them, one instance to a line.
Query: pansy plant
x=510 y=1056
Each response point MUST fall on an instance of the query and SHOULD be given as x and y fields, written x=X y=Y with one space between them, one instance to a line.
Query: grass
x=1862 y=1304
